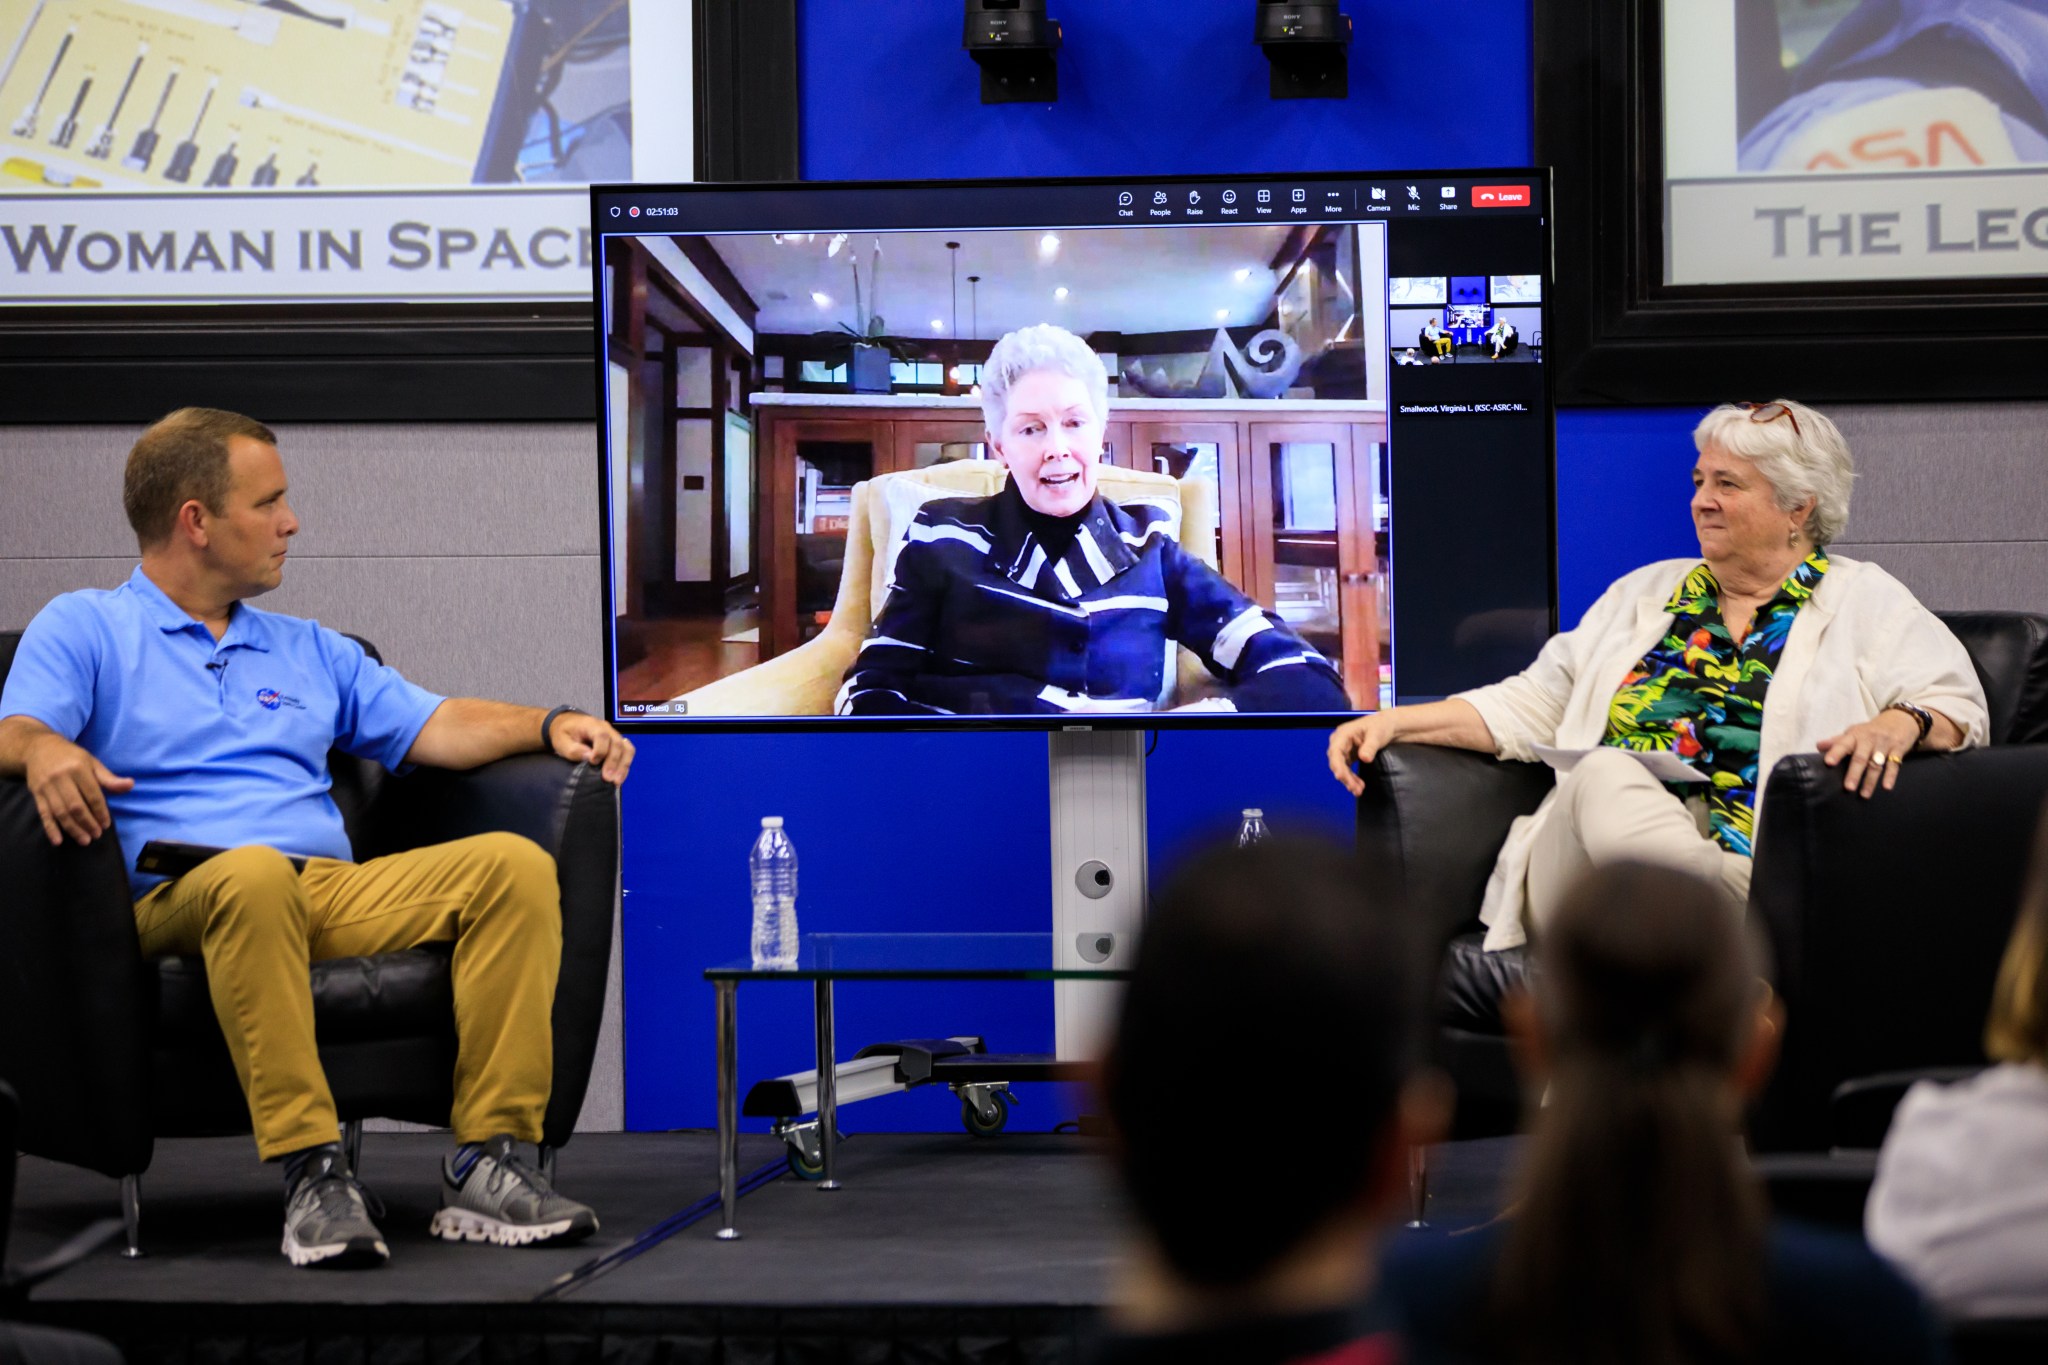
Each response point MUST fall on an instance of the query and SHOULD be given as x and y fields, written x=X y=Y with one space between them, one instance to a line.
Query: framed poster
x=1827 y=199
x=288 y=205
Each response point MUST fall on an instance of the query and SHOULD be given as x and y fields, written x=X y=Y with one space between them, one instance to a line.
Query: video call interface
x=1321 y=485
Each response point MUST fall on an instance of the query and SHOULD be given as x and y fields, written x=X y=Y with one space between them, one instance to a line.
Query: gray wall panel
x=1948 y=472
x=26 y=584
x=359 y=490
x=444 y=490
x=522 y=629
x=62 y=492
x=1982 y=576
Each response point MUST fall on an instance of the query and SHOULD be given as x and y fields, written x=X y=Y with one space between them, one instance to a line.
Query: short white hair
x=1801 y=454
x=1046 y=346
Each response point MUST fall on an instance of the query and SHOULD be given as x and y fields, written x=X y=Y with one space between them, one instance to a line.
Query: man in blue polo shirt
x=190 y=715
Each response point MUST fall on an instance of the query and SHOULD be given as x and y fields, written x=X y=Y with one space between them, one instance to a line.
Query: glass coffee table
x=825 y=959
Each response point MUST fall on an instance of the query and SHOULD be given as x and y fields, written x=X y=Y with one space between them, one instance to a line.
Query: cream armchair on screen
x=804 y=681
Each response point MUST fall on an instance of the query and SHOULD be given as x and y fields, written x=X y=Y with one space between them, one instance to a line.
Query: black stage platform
x=941 y=1247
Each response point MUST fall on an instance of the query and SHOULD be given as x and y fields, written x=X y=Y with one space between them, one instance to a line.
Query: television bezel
x=1044 y=724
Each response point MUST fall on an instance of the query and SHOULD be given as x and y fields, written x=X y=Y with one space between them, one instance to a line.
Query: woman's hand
x=1453 y=722
x=1359 y=741
x=1871 y=752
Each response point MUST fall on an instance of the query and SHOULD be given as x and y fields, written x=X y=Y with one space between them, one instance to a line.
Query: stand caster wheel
x=984 y=1113
x=805 y=1157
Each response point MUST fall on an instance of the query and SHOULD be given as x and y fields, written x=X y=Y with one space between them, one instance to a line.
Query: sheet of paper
x=1664 y=765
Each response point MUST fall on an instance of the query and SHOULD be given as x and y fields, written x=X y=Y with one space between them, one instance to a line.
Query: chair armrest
x=1437 y=817
x=802 y=682
x=570 y=811
x=1861 y=1110
x=1887 y=918
x=75 y=1000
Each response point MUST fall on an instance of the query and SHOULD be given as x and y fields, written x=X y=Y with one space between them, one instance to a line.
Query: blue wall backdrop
x=934 y=832
x=1160 y=87
x=1624 y=484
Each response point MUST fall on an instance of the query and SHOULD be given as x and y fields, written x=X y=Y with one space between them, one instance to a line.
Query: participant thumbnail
x=1446 y=320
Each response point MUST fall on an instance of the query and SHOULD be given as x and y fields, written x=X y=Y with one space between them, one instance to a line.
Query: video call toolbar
x=1269 y=202
x=711 y=208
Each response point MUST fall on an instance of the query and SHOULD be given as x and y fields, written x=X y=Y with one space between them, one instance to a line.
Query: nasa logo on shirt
x=270 y=699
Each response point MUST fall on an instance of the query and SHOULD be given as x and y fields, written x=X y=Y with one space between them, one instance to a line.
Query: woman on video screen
x=1043 y=598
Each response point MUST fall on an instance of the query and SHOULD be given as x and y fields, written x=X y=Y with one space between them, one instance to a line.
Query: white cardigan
x=1861 y=643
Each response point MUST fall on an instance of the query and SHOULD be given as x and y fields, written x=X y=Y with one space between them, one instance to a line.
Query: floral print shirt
x=1700 y=695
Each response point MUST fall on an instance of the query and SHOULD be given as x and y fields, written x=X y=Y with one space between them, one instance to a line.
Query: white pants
x=1609 y=810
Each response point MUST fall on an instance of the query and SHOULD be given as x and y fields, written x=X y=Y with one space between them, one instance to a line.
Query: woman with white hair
x=1765 y=646
x=1044 y=598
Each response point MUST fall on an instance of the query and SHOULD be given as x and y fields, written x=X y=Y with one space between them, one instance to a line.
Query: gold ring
x=1880 y=758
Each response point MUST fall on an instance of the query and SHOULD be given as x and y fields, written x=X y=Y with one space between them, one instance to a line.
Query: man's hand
x=588 y=739
x=1360 y=741
x=1872 y=751
x=69 y=785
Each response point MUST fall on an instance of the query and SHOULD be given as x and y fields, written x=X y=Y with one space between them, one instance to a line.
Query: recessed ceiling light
x=1244 y=275
x=832 y=249
x=822 y=300
x=1049 y=245
x=1060 y=292
x=938 y=326
x=1222 y=314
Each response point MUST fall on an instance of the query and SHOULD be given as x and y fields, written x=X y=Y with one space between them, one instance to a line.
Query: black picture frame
x=1619 y=335
x=485 y=361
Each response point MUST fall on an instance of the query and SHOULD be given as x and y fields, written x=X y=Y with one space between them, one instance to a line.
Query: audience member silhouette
x=1270 y=978
x=1640 y=1235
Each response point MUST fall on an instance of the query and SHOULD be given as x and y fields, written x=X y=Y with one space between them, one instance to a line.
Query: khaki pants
x=260 y=924
x=1609 y=810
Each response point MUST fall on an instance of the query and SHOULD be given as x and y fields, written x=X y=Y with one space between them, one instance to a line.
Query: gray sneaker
x=506 y=1201
x=327 y=1220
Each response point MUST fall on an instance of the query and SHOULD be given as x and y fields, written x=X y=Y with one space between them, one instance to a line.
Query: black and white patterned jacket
x=978 y=621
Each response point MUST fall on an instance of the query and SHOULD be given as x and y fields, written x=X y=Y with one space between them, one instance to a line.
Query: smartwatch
x=547 y=724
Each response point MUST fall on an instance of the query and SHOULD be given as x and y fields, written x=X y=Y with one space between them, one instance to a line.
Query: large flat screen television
x=1262 y=449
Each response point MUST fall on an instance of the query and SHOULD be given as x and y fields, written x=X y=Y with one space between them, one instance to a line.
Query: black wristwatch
x=1921 y=714
x=548 y=723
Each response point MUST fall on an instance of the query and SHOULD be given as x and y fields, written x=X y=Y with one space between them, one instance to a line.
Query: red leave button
x=1500 y=196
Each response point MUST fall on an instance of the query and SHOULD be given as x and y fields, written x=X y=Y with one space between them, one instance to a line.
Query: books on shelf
x=821 y=507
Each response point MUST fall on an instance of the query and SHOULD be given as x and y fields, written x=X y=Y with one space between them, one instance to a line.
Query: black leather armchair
x=110 y=1051
x=1886 y=917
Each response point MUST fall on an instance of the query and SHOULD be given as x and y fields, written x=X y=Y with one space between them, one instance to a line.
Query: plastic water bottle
x=1253 y=829
x=771 y=867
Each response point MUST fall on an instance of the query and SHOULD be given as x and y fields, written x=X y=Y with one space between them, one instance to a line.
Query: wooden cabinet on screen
x=1300 y=484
